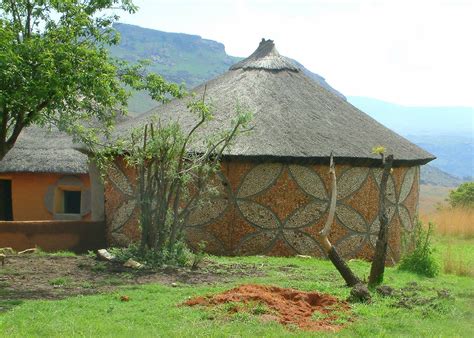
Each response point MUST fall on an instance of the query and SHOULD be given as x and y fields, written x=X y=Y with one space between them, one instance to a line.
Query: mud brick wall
x=52 y=235
x=277 y=209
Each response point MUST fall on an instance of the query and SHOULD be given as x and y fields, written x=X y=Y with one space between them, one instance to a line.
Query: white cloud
x=409 y=52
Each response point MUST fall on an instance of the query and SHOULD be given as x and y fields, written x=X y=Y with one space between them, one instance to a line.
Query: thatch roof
x=39 y=150
x=294 y=117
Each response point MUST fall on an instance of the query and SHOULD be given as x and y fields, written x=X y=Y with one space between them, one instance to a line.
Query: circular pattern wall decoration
x=213 y=204
x=397 y=201
x=258 y=179
x=124 y=211
x=268 y=227
x=278 y=209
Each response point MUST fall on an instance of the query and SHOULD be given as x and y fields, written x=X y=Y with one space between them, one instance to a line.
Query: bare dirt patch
x=50 y=277
x=310 y=311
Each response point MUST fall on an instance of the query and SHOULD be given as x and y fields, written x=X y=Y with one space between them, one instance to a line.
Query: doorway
x=6 y=208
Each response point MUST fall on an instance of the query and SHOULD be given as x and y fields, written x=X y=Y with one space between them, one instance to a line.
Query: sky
x=413 y=52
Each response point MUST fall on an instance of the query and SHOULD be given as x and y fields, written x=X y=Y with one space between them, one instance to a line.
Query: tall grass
x=452 y=221
x=456 y=265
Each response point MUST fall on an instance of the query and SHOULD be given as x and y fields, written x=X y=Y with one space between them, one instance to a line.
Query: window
x=71 y=202
x=6 y=208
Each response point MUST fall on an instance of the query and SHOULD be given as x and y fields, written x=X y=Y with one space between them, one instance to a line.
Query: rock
x=174 y=285
x=28 y=251
x=132 y=264
x=384 y=290
x=360 y=294
x=7 y=251
x=104 y=255
x=303 y=256
x=444 y=293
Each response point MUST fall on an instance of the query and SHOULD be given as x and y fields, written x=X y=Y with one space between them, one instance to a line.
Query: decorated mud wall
x=278 y=209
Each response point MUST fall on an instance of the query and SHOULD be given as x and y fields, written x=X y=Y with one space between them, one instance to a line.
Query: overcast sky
x=408 y=52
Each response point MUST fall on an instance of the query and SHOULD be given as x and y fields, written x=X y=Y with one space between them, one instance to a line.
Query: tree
x=462 y=196
x=55 y=68
x=173 y=178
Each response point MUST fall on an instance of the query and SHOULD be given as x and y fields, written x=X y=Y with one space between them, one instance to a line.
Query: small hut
x=44 y=178
x=49 y=195
x=275 y=182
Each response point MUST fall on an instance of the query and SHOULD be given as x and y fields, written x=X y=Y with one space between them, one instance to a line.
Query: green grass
x=457 y=244
x=60 y=253
x=61 y=281
x=154 y=310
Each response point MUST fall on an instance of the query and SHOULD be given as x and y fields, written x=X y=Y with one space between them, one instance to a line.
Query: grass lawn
x=153 y=309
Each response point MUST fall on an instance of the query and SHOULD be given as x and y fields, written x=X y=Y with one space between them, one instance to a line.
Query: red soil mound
x=288 y=306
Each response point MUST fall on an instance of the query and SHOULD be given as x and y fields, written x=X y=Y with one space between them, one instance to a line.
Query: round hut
x=44 y=178
x=275 y=181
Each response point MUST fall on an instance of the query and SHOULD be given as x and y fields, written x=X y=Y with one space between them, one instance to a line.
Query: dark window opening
x=6 y=208
x=72 y=202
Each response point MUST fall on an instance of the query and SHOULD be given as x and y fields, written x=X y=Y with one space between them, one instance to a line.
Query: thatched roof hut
x=40 y=150
x=44 y=178
x=295 y=118
x=275 y=193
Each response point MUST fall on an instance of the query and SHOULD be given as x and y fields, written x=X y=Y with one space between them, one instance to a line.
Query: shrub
x=463 y=196
x=177 y=256
x=421 y=260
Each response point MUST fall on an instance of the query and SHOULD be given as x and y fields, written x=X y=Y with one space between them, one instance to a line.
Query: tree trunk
x=349 y=277
x=377 y=268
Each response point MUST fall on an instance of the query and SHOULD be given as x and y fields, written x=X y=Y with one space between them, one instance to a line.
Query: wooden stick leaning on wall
x=350 y=278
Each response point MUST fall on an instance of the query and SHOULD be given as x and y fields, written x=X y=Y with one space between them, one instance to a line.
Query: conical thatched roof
x=39 y=150
x=294 y=117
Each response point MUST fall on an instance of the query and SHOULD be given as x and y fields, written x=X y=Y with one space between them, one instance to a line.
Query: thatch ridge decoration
x=266 y=57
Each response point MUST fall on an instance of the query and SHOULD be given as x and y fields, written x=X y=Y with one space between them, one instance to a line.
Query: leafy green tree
x=55 y=68
x=462 y=196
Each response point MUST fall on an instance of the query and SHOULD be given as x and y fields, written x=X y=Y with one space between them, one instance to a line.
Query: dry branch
x=349 y=277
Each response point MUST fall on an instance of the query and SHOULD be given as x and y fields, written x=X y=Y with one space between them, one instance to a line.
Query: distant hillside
x=446 y=132
x=454 y=152
x=434 y=176
x=179 y=58
x=410 y=120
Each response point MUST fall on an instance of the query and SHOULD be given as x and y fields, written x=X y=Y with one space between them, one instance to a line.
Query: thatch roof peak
x=266 y=57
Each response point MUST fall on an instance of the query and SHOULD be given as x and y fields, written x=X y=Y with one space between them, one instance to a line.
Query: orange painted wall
x=28 y=194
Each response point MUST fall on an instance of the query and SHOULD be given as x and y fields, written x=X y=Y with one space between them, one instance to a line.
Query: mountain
x=179 y=58
x=434 y=176
x=446 y=132
x=413 y=119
